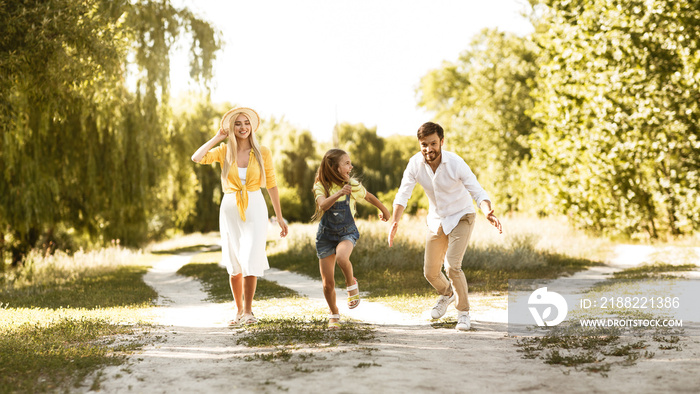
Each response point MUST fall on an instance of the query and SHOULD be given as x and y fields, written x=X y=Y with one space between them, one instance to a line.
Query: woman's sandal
x=248 y=319
x=235 y=321
x=334 y=324
x=353 y=300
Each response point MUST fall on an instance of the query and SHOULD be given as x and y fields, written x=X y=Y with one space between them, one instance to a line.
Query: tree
x=617 y=112
x=81 y=150
x=365 y=148
x=196 y=190
x=483 y=102
x=294 y=154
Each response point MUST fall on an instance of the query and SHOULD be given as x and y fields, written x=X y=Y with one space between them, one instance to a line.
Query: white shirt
x=242 y=173
x=450 y=189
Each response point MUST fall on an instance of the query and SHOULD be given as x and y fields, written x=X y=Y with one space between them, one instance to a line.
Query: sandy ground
x=192 y=351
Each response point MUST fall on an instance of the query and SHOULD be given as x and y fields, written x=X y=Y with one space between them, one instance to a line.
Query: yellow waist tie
x=242 y=189
x=242 y=200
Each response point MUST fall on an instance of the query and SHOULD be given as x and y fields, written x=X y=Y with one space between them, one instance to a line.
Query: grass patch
x=293 y=331
x=185 y=243
x=367 y=365
x=182 y=249
x=56 y=356
x=597 y=350
x=282 y=355
x=216 y=281
x=121 y=287
x=398 y=271
x=653 y=271
x=63 y=317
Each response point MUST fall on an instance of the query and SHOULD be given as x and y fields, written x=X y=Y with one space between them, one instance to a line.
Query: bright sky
x=360 y=61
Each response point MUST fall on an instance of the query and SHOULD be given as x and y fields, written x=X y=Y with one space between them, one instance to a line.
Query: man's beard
x=432 y=156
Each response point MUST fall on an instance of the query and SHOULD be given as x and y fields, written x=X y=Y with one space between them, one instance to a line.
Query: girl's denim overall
x=337 y=225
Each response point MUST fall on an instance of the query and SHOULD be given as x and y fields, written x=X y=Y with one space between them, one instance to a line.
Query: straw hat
x=251 y=114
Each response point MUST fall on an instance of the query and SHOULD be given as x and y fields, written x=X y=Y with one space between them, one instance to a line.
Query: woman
x=245 y=168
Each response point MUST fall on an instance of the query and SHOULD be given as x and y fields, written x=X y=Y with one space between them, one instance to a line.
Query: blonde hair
x=328 y=175
x=232 y=152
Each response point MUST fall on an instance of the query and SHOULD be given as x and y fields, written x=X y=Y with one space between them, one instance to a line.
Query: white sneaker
x=463 y=321
x=441 y=306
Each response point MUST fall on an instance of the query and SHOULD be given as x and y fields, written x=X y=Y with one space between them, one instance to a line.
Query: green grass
x=653 y=271
x=185 y=243
x=293 y=331
x=599 y=350
x=121 y=287
x=398 y=271
x=62 y=317
x=291 y=339
x=182 y=249
x=56 y=356
x=216 y=280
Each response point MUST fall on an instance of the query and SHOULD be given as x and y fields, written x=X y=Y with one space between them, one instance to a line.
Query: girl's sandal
x=353 y=300
x=334 y=325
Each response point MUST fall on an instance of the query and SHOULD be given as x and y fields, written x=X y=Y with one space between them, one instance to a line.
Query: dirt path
x=193 y=352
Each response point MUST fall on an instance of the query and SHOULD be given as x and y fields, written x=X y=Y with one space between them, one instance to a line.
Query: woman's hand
x=202 y=151
x=221 y=134
x=283 y=226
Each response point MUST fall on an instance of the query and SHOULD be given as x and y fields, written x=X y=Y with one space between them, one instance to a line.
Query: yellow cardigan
x=253 y=178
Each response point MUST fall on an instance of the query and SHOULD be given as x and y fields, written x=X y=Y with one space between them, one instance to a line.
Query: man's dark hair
x=430 y=128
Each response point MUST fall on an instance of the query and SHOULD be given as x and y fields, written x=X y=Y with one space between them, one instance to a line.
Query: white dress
x=243 y=243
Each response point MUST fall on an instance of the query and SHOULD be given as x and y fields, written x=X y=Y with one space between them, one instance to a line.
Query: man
x=450 y=186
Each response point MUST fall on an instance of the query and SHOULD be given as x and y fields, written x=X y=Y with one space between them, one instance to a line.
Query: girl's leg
x=343 y=252
x=249 y=285
x=327 y=267
x=237 y=291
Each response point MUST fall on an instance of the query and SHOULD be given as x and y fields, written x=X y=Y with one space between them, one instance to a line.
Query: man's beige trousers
x=449 y=249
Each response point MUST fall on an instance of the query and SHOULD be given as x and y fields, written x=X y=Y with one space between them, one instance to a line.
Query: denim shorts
x=327 y=242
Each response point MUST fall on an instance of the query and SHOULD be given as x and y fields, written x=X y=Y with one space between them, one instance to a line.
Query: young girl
x=336 y=194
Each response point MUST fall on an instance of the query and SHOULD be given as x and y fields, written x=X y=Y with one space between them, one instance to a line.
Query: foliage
x=85 y=116
x=482 y=101
x=195 y=190
x=617 y=113
x=594 y=115
x=365 y=148
x=295 y=157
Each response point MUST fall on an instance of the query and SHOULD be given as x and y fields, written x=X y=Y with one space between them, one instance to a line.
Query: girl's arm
x=275 y=198
x=325 y=203
x=202 y=151
x=375 y=201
